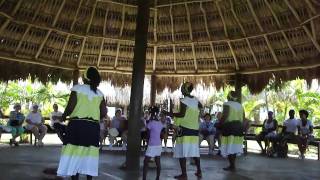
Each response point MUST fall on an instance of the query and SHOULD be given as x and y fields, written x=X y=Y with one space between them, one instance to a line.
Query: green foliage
x=27 y=93
x=278 y=97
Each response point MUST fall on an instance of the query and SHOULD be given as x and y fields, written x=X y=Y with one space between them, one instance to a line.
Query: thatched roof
x=208 y=40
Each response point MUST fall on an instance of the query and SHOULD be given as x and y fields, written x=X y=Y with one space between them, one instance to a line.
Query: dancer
x=231 y=125
x=86 y=106
x=186 y=124
x=154 y=129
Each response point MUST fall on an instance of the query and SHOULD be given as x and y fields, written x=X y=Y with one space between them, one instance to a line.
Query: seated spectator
x=104 y=126
x=118 y=123
x=57 y=124
x=305 y=130
x=268 y=133
x=166 y=122
x=35 y=123
x=15 y=122
x=207 y=132
x=290 y=127
x=288 y=134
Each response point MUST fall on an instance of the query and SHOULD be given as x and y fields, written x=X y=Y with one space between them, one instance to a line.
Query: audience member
x=15 y=122
x=207 y=132
x=35 y=123
x=57 y=124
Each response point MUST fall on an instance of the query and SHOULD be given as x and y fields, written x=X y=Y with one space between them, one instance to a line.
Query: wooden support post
x=153 y=90
x=139 y=65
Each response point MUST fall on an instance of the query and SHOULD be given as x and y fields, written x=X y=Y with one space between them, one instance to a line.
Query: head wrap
x=186 y=87
x=85 y=74
x=232 y=96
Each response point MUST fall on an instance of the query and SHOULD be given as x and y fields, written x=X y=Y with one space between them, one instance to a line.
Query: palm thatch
x=207 y=41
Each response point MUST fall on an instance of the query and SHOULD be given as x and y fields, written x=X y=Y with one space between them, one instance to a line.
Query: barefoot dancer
x=86 y=106
x=232 y=130
x=187 y=127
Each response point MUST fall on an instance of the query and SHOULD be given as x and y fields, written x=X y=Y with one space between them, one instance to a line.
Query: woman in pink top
x=154 y=129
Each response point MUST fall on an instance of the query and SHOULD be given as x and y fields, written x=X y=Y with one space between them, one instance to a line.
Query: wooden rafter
x=255 y=15
x=122 y=4
x=275 y=58
x=75 y=16
x=296 y=15
x=42 y=44
x=155 y=23
x=63 y=48
x=172 y=28
x=237 y=19
x=55 y=20
x=105 y=22
x=194 y=58
x=93 y=11
x=222 y=19
x=123 y=17
x=37 y=10
x=173 y=3
x=81 y=51
x=22 y=39
x=313 y=29
x=4 y=25
x=166 y=74
x=189 y=21
x=117 y=56
x=214 y=57
x=234 y=56
x=205 y=20
x=100 y=52
x=314 y=41
x=289 y=45
x=273 y=13
x=16 y=8
x=294 y=12
x=154 y=58
x=252 y=53
x=64 y=32
x=174 y=58
x=311 y=7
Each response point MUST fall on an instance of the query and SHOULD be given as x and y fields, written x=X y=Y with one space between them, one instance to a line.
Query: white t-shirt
x=59 y=114
x=35 y=117
x=291 y=125
x=305 y=129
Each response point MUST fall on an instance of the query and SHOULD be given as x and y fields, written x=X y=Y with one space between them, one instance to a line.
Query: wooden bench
x=32 y=140
x=252 y=137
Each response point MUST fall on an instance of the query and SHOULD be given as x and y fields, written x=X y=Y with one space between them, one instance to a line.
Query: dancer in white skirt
x=186 y=125
x=154 y=129
x=86 y=106
x=231 y=126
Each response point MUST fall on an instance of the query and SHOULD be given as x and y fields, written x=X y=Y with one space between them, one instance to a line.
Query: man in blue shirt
x=207 y=132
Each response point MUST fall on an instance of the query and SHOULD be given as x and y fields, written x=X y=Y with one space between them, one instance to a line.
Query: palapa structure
x=206 y=41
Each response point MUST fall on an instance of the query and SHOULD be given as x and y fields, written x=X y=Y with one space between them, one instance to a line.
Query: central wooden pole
x=139 y=64
x=153 y=90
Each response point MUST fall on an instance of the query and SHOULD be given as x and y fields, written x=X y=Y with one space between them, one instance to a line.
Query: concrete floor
x=27 y=162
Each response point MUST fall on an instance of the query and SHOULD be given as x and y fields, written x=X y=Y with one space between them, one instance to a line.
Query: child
x=154 y=129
